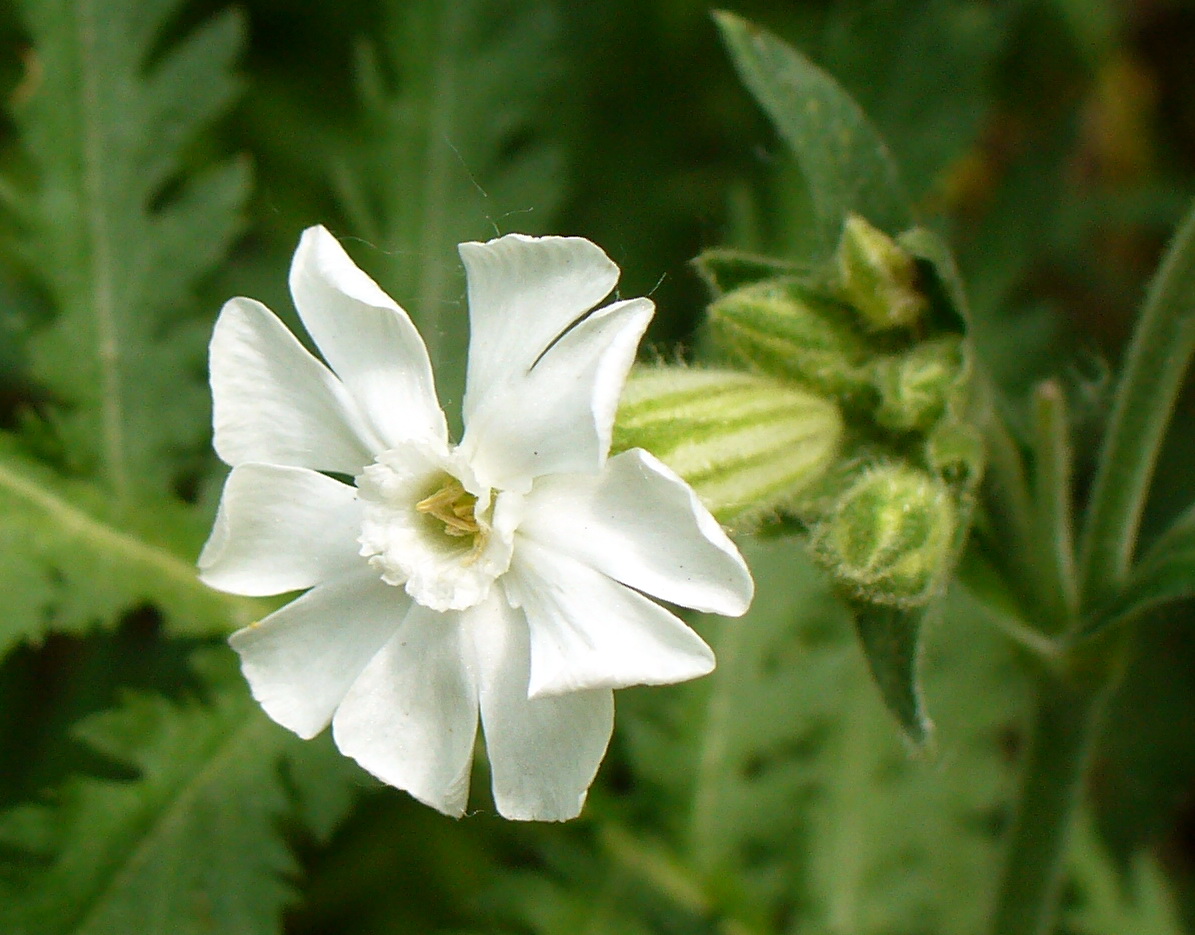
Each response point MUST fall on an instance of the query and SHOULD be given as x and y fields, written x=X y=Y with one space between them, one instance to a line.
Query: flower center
x=429 y=528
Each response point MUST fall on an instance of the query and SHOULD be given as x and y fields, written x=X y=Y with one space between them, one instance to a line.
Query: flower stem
x=1071 y=700
x=1064 y=734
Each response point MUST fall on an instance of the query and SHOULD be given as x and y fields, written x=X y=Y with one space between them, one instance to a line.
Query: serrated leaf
x=891 y=641
x=453 y=149
x=1108 y=902
x=117 y=233
x=846 y=163
x=71 y=559
x=190 y=846
x=807 y=812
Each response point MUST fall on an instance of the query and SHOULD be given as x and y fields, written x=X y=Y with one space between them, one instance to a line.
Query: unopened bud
x=916 y=386
x=956 y=451
x=747 y=443
x=783 y=328
x=890 y=538
x=878 y=277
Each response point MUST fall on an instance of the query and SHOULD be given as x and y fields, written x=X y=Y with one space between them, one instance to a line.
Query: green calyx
x=792 y=331
x=747 y=443
x=877 y=335
x=916 y=386
x=890 y=539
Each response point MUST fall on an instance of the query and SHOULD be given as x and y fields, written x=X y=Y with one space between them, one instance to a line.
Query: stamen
x=453 y=506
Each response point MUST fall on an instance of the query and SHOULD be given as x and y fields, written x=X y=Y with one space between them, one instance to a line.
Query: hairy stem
x=1064 y=735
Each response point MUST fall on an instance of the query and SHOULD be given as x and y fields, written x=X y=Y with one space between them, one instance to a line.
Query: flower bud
x=878 y=278
x=891 y=536
x=955 y=450
x=746 y=443
x=916 y=386
x=786 y=329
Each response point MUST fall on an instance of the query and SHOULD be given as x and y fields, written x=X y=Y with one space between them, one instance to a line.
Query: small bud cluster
x=853 y=415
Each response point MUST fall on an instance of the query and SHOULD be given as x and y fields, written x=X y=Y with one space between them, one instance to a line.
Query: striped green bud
x=890 y=539
x=788 y=330
x=916 y=386
x=747 y=443
x=878 y=277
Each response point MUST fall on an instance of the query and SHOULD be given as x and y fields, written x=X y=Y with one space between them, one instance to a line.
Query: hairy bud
x=891 y=536
x=916 y=386
x=788 y=330
x=747 y=443
x=878 y=277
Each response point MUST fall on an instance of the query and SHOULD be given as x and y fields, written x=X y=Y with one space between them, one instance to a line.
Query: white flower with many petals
x=501 y=576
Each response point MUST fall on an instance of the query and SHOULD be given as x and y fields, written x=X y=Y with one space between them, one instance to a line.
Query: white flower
x=501 y=575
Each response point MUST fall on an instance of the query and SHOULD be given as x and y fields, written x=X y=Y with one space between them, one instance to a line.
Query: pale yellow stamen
x=453 y=506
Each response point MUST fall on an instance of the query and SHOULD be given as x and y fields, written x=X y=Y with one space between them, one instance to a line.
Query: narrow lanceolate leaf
x=1165 y=574
x=115 y=230
x=452 y=148
x=71 y=559
x=846 y=163
x=189 y=846
x=891 y=643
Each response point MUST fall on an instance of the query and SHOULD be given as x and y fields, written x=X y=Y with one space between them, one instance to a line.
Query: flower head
x=500 y=579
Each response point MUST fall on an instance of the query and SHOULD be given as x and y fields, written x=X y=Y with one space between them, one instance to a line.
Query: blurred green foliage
x=1052 y=142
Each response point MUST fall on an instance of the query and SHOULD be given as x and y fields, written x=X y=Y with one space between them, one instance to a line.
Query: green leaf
x=71 y=559
x=118 y=232
x=724 y=270
x=1151 y=376
x=453 y=148
x=891 y=640
x=804 y=803
x=1165 y=574
x=846 y=164
x=1108 y=904
x=946 y=287
x=190 y=846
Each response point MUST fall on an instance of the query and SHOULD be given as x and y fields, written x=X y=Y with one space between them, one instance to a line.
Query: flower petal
x=367 y=339
x=639 y=523
x=543 y=752
x=589 y=631
x=273 y=402
x=558 y=417
x=280 y=529
x=300 y=660
x=411 y=717
x=523 y=293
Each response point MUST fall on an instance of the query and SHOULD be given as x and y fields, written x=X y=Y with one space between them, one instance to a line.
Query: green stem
x=1069 y=711
x=1152 y=375
x=1064 y=735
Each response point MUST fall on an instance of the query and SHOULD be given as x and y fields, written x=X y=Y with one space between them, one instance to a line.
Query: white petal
x=523 y=293
x=273 y=402
x=411 y=716
x=367 y=339
x=638 y=522
x=300 y=660
x=558 y=418
x=280 y=529
x=543 y=752
x=589 y=631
